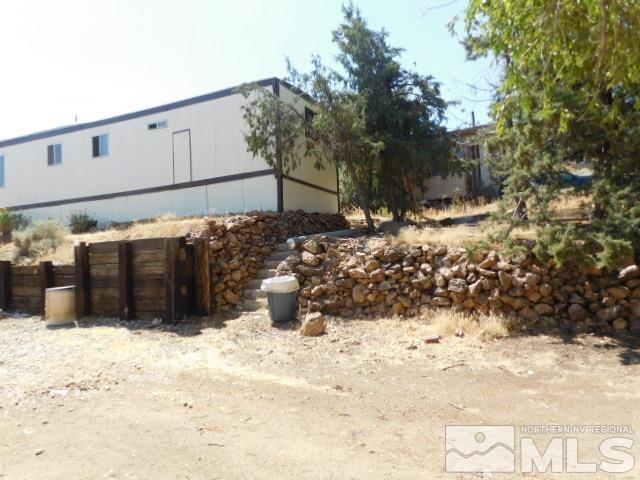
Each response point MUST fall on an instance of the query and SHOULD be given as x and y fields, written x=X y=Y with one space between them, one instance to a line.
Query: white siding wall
x=140 y=158
x=297 y=196
x=218 y=199
x=438 y=187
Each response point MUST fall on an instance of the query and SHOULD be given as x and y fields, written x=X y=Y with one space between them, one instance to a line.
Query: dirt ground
x=239 y=399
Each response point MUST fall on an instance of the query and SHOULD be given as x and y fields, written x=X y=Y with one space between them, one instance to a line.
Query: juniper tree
x=570 y=90
x=284 y=136
x=404 y=111
x=381 y=123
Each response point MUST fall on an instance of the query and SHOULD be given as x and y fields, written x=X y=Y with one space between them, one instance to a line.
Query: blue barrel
x=282 y=296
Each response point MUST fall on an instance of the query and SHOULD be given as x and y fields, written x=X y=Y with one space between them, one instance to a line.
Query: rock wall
x=240 y=245
x=352 y=278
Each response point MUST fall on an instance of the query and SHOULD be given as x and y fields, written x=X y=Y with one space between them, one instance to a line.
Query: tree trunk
x=361 y=196
x=520 y=213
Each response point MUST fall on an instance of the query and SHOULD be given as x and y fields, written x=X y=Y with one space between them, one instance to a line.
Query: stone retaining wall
x=352 y=278
x=239 y=246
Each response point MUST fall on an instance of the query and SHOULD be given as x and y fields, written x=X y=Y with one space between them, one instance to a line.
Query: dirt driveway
x=238 y=399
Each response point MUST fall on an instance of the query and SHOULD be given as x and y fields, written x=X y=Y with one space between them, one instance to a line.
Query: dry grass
x=447 y=322
x=572 y=207
x=355 y=216
x=161 y=226
x=455 y=236
x=460 y=207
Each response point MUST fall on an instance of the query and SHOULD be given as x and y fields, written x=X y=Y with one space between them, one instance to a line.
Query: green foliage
x=43 y=236
x=349 y=195
x=403 y=110
x=10 y=221
x=280 y=133
x=81 y=221
x=570 y=91
x=377 y=121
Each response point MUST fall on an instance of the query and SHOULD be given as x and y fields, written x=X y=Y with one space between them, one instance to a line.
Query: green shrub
x=10 y=221
x=81 y=221
x=41 y=237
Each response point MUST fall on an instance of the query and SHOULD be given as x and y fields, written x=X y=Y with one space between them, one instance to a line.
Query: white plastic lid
x=284 y=284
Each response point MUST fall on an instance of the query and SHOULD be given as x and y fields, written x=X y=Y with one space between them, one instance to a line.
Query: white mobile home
x=187 y=157
x=471 y=184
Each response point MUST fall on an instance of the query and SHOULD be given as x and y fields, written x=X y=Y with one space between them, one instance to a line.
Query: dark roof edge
x=128 y=116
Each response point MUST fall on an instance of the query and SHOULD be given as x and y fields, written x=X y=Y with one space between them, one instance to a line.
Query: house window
x=1 y=170
x=308 y=121
x=157 y=125
x=54 y=154
x=100 y=145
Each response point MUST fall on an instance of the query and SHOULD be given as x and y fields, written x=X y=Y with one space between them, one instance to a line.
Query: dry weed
x=447 y=322
x=460 y=207
x=167 y=225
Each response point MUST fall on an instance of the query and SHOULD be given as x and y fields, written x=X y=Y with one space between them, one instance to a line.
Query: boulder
x=608 y=314
x=619 y=293
x=377 y=276
x=475 y=288
x=309 y=272
x=632 y=271
x=620 y=324
x=545 y=289
x=441 y=301
x=397 y=308
x=231 y=297
x=532 y=295
x=310 y=259
x=313 y=324
x=359 y=294
x=311 y=246
x=487 y=273
x=531 y=278
x=505 y=279
x=457 y=285
x=357 y=273
x=318 y=291
x=371 y=265
x=543 y=309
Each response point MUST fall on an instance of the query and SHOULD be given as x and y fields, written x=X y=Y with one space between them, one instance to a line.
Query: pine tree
x=570 y=91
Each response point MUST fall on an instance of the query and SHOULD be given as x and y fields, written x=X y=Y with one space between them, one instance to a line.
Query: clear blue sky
x=95 y=59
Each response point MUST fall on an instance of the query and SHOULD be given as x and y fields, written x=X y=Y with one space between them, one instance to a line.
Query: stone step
x=254 y=293
x=267 y=273
x=254 y=283
x=283 y=255
x=253 y=305
x=272 y=264
x=284 y=247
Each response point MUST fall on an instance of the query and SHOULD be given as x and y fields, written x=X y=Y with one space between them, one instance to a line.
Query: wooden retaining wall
x=158 y=277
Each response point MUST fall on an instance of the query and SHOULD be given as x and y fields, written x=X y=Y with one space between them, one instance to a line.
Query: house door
x=182 y=156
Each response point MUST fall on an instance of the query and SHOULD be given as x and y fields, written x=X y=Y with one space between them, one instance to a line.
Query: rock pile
x=239 y=246
x=348 y=277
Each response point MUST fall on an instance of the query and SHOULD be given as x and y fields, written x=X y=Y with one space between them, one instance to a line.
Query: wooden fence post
x=176 y=291
x=81 y=256
x=5 y=285
x=170 y=284
x=45 y=273
x=201 y=277
x=182 y=293
x=125 y=284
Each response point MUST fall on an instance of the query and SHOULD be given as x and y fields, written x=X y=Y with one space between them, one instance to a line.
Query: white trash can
x=60 y=305
x=282 y=296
